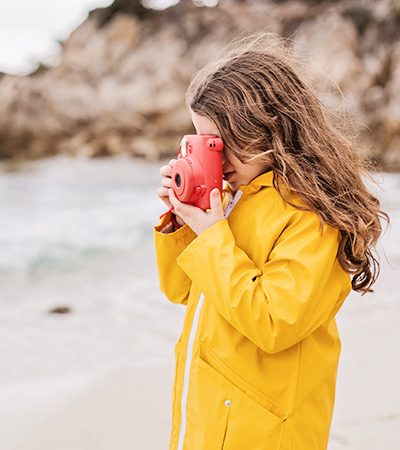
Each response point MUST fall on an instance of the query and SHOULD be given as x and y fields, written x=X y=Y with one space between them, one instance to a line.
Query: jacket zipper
x=232 y=203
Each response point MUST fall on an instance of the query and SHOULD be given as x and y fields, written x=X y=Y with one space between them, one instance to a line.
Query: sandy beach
x=101 y=377
x=119 y=409
x=130 y=409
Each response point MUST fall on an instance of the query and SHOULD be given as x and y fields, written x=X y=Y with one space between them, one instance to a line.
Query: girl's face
x=235 y=172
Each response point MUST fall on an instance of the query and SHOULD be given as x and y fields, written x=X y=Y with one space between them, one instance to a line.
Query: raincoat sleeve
x=174 y=282
x=299 y=287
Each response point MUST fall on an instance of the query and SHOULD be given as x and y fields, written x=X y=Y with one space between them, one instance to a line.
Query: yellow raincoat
x=257 y=358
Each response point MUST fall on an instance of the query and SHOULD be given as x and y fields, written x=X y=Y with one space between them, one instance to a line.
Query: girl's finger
x=165 y=171
x=216 y=203
x=172 y=162
x=189 y=214
x=163 y=195
x=163 y=192
x=166 y=182
x=172 y=198
x=179 y=207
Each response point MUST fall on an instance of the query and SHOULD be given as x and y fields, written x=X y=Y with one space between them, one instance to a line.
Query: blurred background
x=92 y=104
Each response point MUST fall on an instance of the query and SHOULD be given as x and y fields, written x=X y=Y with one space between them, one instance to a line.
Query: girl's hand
x=166 y=183
x=197 y=219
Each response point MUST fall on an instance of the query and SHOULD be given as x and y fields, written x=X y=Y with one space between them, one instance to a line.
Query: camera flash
x=183 y=147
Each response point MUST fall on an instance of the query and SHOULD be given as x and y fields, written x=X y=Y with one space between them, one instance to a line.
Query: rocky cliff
x=120 y=82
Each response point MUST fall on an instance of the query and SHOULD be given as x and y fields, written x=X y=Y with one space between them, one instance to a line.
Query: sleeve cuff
x=184 y=233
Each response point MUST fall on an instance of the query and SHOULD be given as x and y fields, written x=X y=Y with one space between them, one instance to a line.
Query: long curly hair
x=264 y=111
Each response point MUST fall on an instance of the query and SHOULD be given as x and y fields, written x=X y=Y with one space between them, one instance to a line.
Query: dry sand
x=115 y=410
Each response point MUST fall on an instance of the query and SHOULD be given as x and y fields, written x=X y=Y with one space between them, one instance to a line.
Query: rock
x=60 y=310
x=120 y=82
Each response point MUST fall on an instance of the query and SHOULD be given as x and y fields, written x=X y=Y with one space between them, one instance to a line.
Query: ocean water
x=78 y=232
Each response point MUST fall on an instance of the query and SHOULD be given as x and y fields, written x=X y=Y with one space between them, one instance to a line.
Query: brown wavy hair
x=253 y=92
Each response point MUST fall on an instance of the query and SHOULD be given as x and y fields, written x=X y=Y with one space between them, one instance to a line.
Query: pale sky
x=29 y=29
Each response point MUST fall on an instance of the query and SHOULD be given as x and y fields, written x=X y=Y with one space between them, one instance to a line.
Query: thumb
x=215 y=201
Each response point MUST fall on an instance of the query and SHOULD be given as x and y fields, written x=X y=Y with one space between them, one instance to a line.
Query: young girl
x=264 y=273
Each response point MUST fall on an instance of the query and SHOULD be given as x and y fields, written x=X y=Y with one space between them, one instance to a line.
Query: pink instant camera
x=198 y=169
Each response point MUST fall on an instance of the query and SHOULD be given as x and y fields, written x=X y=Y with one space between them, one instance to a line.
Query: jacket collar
x=265 y=179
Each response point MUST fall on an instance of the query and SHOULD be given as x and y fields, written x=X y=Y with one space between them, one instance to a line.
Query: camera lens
x=178 y=180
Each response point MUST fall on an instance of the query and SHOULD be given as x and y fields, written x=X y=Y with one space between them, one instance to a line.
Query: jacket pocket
x=255 y=421
x=208 y=408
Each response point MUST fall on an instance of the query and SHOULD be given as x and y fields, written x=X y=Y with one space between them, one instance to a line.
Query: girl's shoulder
x=284 y=202
x=287 y=209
